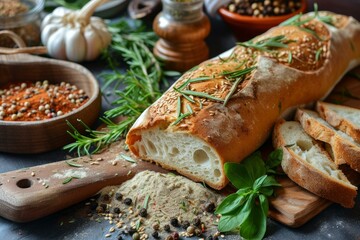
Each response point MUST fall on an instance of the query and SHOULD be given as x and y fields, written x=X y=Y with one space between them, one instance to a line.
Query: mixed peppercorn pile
x=261 y=8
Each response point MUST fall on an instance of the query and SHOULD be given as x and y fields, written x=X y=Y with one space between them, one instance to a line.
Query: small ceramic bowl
x=247 y=27
x=49 y=134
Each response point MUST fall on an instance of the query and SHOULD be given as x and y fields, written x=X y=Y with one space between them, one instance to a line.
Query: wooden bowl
x=247 y=27
x=49 y=134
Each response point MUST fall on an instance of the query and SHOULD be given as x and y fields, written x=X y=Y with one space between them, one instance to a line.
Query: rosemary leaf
x=184 y=95
x=69 y=179
x=190 y=110
x=318 y=54
x=178 y=107
x=232 y=90
x=127 y=158
x=146 y=201
x=198 y=79
x=201 y=94
x=72 y=164
x=290 y=57
x=179 y=119
x=238 y=73
x=266 y=44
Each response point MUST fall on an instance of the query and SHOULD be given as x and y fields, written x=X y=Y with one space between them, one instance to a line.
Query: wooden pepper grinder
x=182 y=27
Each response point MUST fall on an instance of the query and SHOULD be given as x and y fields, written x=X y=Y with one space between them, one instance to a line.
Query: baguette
x=225 y=108
x=343 y=118
x=343 y=147
x=310 y=166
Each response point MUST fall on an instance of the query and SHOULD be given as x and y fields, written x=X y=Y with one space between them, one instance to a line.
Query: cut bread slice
x=310 y=166
x=343 y=118
x=343 y=147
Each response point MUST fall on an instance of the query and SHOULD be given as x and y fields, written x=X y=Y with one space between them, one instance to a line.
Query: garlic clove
x=47 y=31
x=56 y=44
x=75 y=44
x=94 y=43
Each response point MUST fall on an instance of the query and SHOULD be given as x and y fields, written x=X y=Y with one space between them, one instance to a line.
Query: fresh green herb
x=127 y=158
x=69 y=179
x=193 y=68
x=233 y=89
x=184 y=95
x=72 y=164
x=290 y=57
x=140 y=85
x=247 y=209
x=194 y=80
x=138 y=224
x=180 y=118
x=183 y=206
x=267 y=44
x=146 y=201
x=318 y=54
x=237 y=73
x=201 y=94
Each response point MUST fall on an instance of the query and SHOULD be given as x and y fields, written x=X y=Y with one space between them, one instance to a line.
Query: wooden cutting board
x=32 y=193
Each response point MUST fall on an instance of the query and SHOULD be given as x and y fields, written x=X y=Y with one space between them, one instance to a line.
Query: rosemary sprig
x=318 y=54
x=194 y=80
x=237 y=73
x=140 y=85
x=127 y=158
x=72 y=164
x=267 y=44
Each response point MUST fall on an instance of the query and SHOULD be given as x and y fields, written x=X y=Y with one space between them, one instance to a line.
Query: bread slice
x=310 y=166
x=343 y=118
x=344 y=148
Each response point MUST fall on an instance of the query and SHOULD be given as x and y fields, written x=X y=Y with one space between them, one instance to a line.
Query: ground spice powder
x=26 y=101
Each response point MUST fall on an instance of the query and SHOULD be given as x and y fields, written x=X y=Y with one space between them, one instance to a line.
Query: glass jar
x=23 y=17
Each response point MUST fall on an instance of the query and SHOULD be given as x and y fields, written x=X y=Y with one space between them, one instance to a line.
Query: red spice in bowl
x=29 y=101
x=246 y=27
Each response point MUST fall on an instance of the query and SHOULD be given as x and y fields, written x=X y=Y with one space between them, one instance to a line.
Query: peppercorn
x=136 y=236
x=143 y=212
x=175 y=235
x=116 y=210
x=197 y=222
x=93 y=205
x=132 y=231
x=185 y=224
x=119 y=237
x=156 y=226
x=167 y=227
x=105 y=197
x=210 y=207
x=118 y=196
x=174 y=222
x=127 y=201
x=190 y=230
x=198 y=232
x=155 y=234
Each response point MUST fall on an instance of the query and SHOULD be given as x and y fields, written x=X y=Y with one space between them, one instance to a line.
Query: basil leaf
x=238 y=175
x=264 y=203
x=259 y=182
x=274 y=159
x=254 y=226
x=270 y=181
x=244 y=191
x=230 y=203
x=255 y=166
x=267 y=191
x=230 y=222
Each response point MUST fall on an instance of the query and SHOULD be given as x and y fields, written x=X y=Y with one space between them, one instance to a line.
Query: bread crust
x=236 y=130
x=337 y=121
x=310 y=178
x=343 y=150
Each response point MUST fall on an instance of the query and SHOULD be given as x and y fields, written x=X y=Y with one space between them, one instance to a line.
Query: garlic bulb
x=75 y=35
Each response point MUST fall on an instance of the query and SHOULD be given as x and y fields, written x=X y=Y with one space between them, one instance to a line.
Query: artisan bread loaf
x=225 y=108
x=344 y=149
x=310 y=166
x=343 y=118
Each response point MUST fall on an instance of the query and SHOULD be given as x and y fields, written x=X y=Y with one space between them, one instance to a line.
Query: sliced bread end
x=310 y=166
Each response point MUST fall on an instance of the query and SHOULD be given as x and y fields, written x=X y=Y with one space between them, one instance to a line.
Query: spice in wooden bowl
x=28 y=101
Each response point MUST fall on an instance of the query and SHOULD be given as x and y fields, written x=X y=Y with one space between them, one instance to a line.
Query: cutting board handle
x=32 y=193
